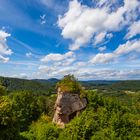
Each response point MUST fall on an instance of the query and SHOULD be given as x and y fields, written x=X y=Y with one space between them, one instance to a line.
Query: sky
x=92 y=39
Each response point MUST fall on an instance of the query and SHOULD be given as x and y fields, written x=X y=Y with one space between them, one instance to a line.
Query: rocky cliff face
x=67 y=106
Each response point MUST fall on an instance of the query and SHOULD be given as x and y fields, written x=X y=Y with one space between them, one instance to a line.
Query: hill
x=39 y=87
x=132 y=85
x=47 y=86
x=51 y=80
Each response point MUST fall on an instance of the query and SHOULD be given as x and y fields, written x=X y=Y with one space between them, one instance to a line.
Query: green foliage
x=8 y=124
x=46 y=104
x=104 y=119
x=26 y=108
x=81 y=128
x=132 y=85
x=38 y=87
x=2 y=90
x=20 y=109
x=69 y=84
x=42 y=131
x=110 y=114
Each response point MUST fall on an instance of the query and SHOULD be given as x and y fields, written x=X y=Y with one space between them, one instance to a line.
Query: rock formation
x=67 y=106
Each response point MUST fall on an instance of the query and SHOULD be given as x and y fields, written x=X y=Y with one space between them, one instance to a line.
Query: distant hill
x=133 y=85
x=93 y=84
x=51 y=80
x=47 y=86
x=37 y=86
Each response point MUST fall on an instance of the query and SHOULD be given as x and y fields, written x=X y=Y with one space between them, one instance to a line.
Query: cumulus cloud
x=4 y=49
x=82 y=23
x=133 y=30
x=57 y=57
x=99 y=38
x=55 y=71
x=129 y=47
x=55 y=61
x=103 y=58
x=83 y=71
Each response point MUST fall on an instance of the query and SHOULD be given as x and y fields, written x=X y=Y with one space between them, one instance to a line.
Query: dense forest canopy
x=110 y=114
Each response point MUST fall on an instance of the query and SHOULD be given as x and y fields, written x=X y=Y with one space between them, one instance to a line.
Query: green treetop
x=69 y=84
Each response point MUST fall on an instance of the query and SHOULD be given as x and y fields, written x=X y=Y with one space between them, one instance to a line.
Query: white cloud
x=109 y=35
x=46 y=69
x=128 y=47
x=4 y=49
x=81 y=23
x=102 y=48
x=65 y=62
x=29 y=54
x=57 y=57
x=108 y=74
x=99 y=38
x=81 y=64
x=43 y=19
x=106 y=3
x=4 y=59
x=133 y=30
x=3 y=35
x=21 y=75
x=103 y=58
x=54 y=61
x=43 y=16
x=88 y=72
x=43 y=22
x=55 y=71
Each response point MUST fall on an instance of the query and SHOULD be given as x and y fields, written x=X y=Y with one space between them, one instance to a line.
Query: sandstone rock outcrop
x=67 y=106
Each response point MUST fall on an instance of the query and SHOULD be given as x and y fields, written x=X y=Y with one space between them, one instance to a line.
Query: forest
x=27 y=109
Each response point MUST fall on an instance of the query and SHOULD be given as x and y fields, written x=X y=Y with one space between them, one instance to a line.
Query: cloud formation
x=57 y=57
x=134 y=29
x=4 y=49
x=124 y=49
x=83 y=71
x=82 y=23
x=58 y=60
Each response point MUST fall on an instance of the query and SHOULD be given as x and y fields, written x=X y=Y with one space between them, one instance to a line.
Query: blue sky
x=92 y=39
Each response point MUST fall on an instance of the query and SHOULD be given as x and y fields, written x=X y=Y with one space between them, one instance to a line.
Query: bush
x=42 y=131
x=69 y=84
